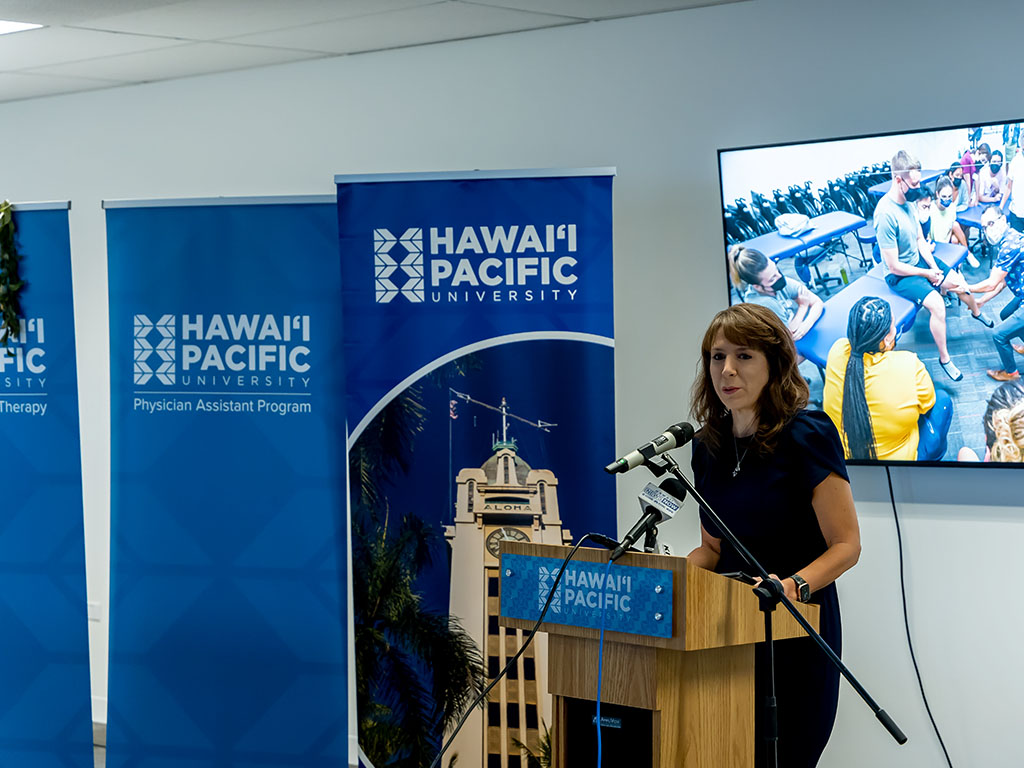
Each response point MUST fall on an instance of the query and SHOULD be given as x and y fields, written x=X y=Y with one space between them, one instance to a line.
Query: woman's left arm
x=833 y=506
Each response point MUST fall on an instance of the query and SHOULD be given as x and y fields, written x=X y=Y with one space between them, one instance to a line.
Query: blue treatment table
x=831 y=326
x=971 y=217
x=821 y=231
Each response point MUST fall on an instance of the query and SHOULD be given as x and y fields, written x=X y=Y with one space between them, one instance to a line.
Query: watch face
x=803 y=589
x=499 y=535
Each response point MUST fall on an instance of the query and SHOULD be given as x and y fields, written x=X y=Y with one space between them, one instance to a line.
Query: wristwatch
x=803 y=589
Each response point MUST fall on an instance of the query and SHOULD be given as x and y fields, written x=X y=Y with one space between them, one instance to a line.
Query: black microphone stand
x=651 y=539
x=770 y=594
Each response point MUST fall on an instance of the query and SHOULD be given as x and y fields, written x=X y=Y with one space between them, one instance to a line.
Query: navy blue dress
x=768 y=506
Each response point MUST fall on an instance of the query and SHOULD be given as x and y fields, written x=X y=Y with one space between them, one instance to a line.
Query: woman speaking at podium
x=775 y=474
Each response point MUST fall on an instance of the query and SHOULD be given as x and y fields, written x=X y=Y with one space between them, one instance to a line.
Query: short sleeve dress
x=767 y=505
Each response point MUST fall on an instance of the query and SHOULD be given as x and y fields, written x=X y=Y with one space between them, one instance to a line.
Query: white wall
x=655 y=96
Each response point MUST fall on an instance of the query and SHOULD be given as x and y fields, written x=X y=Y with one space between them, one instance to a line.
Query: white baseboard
x=99 y=721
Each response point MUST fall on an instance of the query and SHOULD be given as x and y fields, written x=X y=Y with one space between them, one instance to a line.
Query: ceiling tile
x=178 y=61
x=56 y=45
x=425 y=24
x=54 y=12
x=216 y=19
x=602 y=9
x=20 y=85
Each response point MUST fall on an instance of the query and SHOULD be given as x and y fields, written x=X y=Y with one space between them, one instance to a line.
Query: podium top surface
x=707 y=610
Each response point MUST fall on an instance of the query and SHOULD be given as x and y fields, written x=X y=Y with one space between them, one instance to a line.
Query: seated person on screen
x=1004 y=426
x=1015 y=177
x=991 y=180
x=944 y=226
x=911 y=270
x=963 y=201
x=923 y=206
x=1008 y=272
x=758 y=281
x=971 y=162
x=963 y=192
x=883 y=402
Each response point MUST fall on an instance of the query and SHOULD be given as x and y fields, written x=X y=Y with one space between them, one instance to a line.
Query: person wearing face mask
x=944 y=226
x=759 y=281
x=1015 y=177
x=1008 y=272
x=991 y=180
x=882 y=401
x=962 y=201
x=955 y=174
x=923 y=205
x=910 y=268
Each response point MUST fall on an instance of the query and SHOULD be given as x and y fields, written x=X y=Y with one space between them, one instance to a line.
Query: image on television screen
x=897 y=262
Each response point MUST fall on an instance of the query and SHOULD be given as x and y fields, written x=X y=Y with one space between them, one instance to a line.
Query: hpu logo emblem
x=164 y=349
x=545 y=580
x=386 y=264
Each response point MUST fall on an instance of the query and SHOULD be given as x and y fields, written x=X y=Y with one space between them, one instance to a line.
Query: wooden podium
x=697 y=685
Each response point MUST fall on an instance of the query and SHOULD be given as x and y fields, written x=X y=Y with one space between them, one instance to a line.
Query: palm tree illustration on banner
x=416 y=670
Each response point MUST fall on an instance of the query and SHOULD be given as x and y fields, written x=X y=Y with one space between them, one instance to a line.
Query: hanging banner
x=228 y=541
x=479 y=385
x=45 y=705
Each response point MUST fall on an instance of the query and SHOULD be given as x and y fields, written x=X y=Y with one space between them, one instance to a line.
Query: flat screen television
x=816 y=232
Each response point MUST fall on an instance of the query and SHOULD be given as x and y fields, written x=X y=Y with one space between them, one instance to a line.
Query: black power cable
x=906 y=621
x=529 y=638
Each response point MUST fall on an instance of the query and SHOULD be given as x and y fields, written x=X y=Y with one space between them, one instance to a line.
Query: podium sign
x=683 y=684
x=634 y=599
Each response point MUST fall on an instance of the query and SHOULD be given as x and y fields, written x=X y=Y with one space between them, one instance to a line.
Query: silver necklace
x=739 y=459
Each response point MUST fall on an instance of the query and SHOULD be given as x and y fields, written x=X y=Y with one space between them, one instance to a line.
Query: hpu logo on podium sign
x=633 y=599
x=163 y=351
x=545 y=578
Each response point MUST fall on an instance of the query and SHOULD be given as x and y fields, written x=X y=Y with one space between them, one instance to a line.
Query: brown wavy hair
x=785 y=394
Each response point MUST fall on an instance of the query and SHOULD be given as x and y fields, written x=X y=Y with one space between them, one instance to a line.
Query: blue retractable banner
x=479 y=385
x=228 y=590
x=45 y=717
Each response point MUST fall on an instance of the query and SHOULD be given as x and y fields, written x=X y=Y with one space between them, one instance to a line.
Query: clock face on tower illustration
x=499 y=535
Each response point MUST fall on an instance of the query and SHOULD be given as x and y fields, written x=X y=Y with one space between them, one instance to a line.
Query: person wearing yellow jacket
x=882 y=400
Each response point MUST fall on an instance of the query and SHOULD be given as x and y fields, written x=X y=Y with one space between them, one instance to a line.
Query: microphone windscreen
x=674 y=487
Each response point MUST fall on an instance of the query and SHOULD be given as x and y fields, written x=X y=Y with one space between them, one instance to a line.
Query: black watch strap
x=803 y=589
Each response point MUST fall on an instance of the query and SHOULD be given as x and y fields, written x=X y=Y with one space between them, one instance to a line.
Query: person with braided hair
x=882 y=401
x=1004 y=426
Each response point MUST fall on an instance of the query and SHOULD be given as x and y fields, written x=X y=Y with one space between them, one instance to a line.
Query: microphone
x=658 y=503
x=673 y=437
